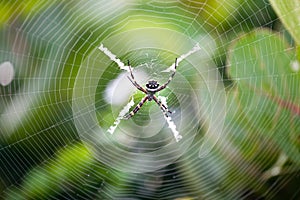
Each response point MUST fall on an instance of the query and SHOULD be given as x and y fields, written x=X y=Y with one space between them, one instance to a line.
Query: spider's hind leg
x=136 y=109
x=162 y=106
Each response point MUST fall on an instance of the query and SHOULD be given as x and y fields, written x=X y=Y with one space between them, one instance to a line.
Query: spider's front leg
x=136 y=109
x=133 y=81
x=170 y=78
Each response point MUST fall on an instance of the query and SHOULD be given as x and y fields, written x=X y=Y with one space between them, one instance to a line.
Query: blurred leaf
x=6 y=12
x=51 y=178
x=71 y=173
x=35 y=6
x=288 y=12
x=245 y=17
x=267 y=89
x=37 y=92
x=233 y=15
x=12 y=9
x=217 y=15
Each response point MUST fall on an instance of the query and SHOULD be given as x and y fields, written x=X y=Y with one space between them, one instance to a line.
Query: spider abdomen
x=152 y=85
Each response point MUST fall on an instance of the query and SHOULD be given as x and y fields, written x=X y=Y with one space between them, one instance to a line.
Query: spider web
x=62 y=94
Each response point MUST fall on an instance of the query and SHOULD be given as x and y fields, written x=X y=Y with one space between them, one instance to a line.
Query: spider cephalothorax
x=151 y=88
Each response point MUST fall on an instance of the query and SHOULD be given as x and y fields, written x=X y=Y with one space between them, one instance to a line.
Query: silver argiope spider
x=151 y=88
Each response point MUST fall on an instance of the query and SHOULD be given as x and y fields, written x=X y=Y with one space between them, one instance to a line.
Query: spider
x=151 y=88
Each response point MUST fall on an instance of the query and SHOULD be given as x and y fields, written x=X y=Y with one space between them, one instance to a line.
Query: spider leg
x=130 y=70
x=169 y=80
x=136 y=109
x=162 y=106
x=132 y=80
x=137 y=85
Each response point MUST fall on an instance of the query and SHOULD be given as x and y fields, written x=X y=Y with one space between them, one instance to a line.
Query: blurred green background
x=42 y=155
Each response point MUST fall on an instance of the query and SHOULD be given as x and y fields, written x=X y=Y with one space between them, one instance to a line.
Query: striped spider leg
x=151 y=88
x=162 y=106
x=169 y=80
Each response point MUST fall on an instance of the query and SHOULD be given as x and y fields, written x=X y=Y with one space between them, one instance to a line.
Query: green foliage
x=49 y=179
x=10 y=9
x=262 y=120
x=288 y=12
x=261 y=66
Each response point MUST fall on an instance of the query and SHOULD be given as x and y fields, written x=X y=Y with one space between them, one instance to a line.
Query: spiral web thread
x=43 y=46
